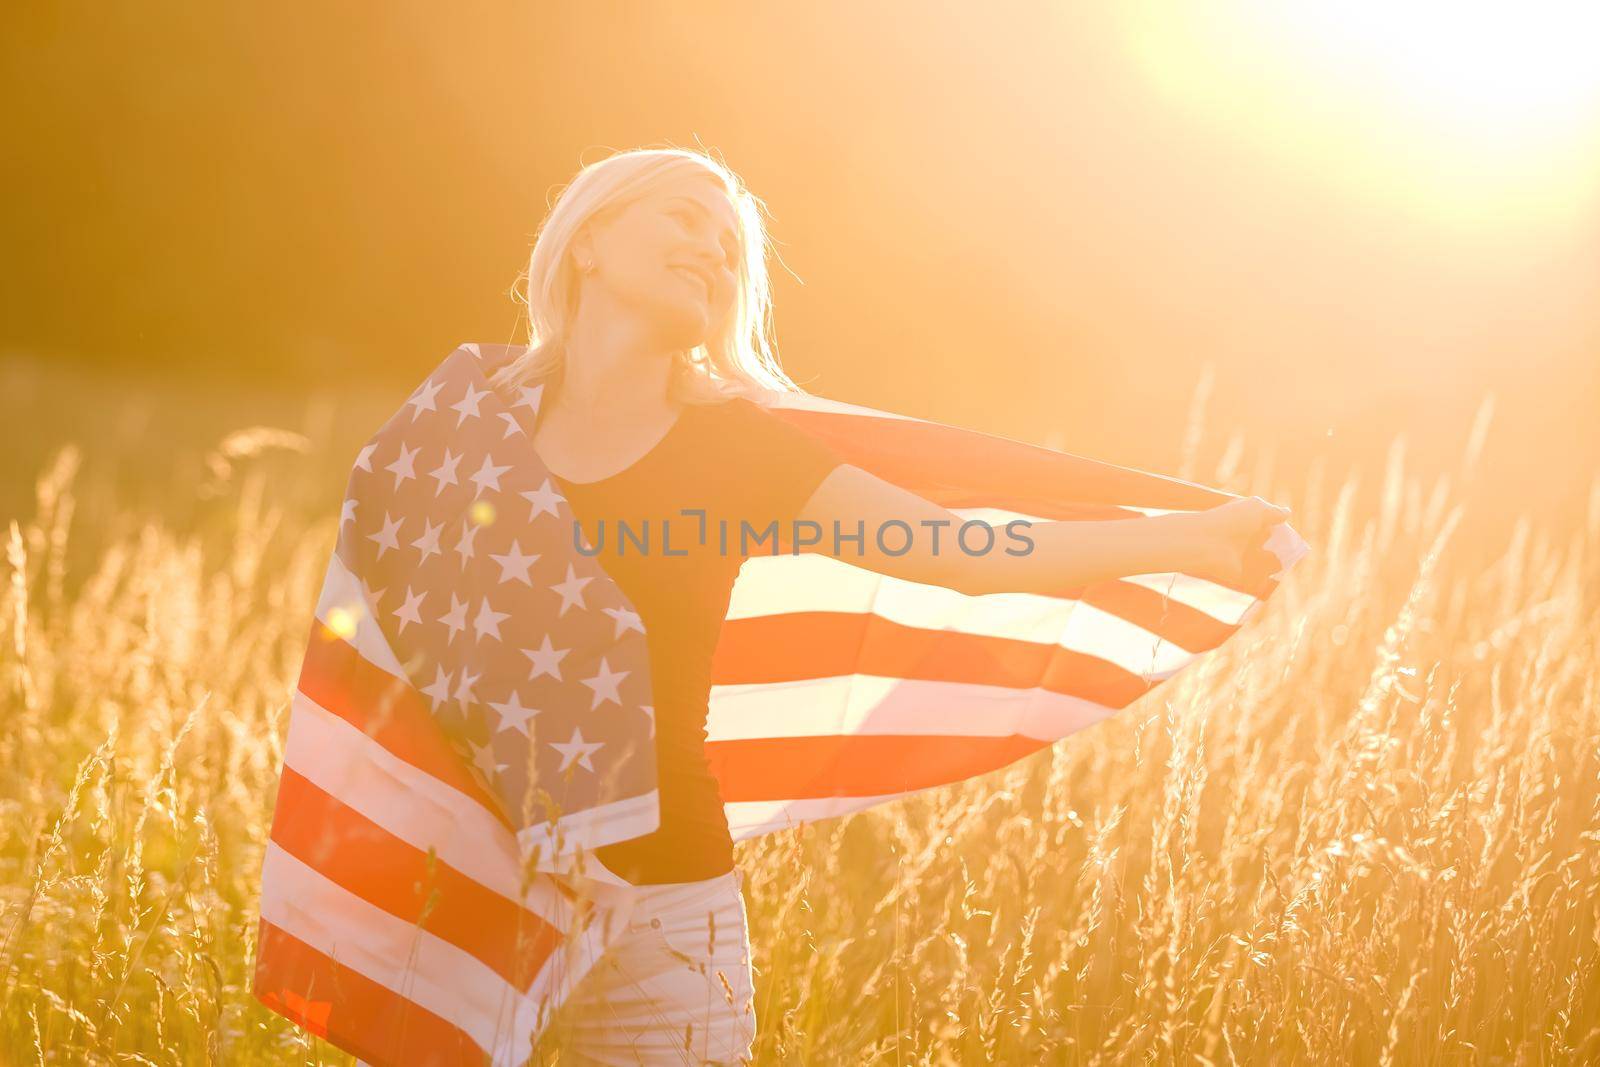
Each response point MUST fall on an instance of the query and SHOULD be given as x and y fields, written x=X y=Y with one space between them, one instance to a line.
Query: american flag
x=473 y=711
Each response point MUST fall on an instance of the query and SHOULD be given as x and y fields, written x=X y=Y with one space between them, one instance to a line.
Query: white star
x=650 y=714
x=543 y=499
x=465 y=546
x=364 y=460
x=429 y=541
x=439 y=691
x=626 y=620
x=348 y=512
x=488 y=476
x=402 y=466
x=407 y=612
x=513 y=716
x=515 y=565
x=488 y=620
x=529 y=398
x=468 y=404
x=546 y=660
x=483 y=758
x=455 y=618
x=604 y=684
x=372 y=597
x=464 y=691
x=445 y=473
x=422 y=399
x=388 y=537
x=577 y=750
x=512 y=425
x=571 y=591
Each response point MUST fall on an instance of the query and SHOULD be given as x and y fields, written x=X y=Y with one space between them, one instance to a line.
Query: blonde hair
x=738 y=360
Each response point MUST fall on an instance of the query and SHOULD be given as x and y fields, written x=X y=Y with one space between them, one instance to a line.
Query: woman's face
x=671 y=257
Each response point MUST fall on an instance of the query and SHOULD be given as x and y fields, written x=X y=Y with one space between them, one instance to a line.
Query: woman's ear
x=581 y=250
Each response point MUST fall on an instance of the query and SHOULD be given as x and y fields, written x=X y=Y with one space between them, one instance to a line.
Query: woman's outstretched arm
x=1048 y=558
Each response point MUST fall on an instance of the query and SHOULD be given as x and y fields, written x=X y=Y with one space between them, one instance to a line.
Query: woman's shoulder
x=729 y=417
x=747 y=399
x=731 y=402
x=744 y=414
x=757 y=432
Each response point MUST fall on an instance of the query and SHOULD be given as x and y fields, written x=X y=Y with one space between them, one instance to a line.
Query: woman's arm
x=1064 y=556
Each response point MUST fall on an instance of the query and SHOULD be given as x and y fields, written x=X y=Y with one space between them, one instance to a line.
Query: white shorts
x=673 y=988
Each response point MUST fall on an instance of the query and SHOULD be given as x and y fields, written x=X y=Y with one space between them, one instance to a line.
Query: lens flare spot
x=342 y=621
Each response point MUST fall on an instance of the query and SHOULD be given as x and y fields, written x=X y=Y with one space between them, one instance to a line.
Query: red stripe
x=387 y=710
x=363 y=858
x=924 y=456
x=1187 y=627
x=801 y=768
x=352 y=1011
x=815 y=644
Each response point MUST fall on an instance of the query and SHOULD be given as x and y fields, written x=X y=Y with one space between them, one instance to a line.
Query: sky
x=1045 y=220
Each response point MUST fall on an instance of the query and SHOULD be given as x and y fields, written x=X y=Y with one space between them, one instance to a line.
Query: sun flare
x=1479 y=107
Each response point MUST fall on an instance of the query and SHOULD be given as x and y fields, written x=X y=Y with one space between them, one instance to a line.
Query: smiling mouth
x=699 y=282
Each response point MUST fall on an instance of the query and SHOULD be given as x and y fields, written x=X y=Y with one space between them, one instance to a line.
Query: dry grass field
x=1367 y=830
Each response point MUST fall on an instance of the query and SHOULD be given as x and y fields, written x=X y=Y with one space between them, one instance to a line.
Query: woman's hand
x=1226 y=535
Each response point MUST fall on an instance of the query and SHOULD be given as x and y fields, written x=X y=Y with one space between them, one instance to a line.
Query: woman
x=649 y=308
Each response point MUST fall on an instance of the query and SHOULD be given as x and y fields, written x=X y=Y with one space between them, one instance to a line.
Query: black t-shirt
x=736 y=461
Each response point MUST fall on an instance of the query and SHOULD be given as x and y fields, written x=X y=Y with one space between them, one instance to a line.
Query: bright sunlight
x=1489 y=109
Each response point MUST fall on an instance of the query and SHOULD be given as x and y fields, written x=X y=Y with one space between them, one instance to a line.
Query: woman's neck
x=610 y=366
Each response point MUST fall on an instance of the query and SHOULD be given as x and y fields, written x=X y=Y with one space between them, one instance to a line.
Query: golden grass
x=1367 y=830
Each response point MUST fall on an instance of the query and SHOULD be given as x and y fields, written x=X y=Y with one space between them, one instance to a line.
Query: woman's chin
x=683 y=326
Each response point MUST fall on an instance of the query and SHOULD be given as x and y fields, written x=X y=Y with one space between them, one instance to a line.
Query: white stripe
x=751 y=818
x=1152 y=512
x=869 y=704
x=398 y=955
x=998 y=517
x=411 y=804
x=1218 y=601
x=427 y=970
x=1225 y=605
x=779 y=585
x=1287 y=544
